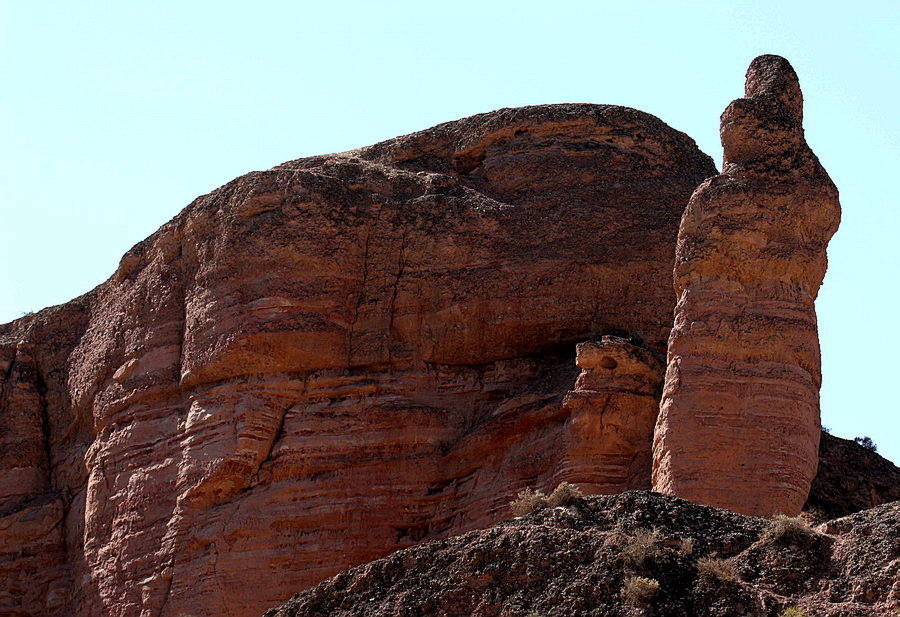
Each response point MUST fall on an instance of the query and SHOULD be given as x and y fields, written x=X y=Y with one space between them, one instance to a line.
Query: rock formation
x=739 y=417
x=316 y=365
x=576 y=560
x=611 y=413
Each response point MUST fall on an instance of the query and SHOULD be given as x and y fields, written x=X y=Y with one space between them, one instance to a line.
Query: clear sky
x=115 y=115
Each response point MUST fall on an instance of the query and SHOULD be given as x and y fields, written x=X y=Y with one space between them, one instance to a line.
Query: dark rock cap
x=774 y=76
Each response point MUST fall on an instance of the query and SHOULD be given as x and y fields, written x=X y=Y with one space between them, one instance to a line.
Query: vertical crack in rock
x=361 y=298
x=739 y=417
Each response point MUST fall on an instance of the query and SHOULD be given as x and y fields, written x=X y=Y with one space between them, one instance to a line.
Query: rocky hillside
x=637 y=553
x=850 y=478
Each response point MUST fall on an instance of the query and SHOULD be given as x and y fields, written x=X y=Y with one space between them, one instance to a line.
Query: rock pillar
x=739 y=417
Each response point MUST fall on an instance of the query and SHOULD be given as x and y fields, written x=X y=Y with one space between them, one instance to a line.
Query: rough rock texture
x=315 y=365
x=575 y=561
x=612 y=411
x=850 y=478
x=739 y=417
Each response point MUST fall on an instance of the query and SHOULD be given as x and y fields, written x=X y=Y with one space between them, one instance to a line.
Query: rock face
x=576 y=560
x=318 y=364
x=739 y=418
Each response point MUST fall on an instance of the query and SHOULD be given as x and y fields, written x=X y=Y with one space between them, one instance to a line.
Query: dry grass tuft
x=565 y=494
x=789 y=529
x=529 y=501
x=687 y=546
x=638 y=589
x=640 y=546
x=714 y=568
x=794 y=611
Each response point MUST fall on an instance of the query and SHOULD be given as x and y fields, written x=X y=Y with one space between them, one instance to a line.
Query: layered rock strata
x=315 y=365
x=739 y=417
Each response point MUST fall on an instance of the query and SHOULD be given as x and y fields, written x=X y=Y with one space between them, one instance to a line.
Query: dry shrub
x=687 y=546
x=565 y=494
x=721 y=569
x=638 y=589
x=789 y=529
x=640 y=546
x=528 y=501
x=794 y=611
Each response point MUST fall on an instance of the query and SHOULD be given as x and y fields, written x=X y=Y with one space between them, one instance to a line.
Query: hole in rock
x=608 y=363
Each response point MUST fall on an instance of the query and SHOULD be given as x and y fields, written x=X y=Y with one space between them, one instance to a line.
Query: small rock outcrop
x=612 y=411
x=637 y=553
x=739 y=417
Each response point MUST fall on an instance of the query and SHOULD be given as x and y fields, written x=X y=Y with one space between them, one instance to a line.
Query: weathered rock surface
x=318 y=364
x=575 y=560
x=739 y=418
x=612 y=411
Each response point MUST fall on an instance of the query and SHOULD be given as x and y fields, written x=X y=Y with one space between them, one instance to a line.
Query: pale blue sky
x=115 y=115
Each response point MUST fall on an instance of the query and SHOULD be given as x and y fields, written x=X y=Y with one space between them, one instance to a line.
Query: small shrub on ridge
x=565 y=494
x=528 y=500
x=638 y=589
x=714 y=568
x=789 y=529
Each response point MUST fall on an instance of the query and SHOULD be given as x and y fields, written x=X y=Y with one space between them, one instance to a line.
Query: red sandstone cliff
x=315 y=365
x=739 y=418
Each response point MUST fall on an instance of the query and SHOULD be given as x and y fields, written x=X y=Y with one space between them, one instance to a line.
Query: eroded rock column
x=612 y=412
x=739 y=417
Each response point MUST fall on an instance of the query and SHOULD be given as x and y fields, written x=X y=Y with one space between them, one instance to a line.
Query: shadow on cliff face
x=850 y=478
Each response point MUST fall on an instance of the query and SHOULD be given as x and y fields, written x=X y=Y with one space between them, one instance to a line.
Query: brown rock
x=850 y=478
x=315 y=365
x=612 y=413
x=739 y=417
